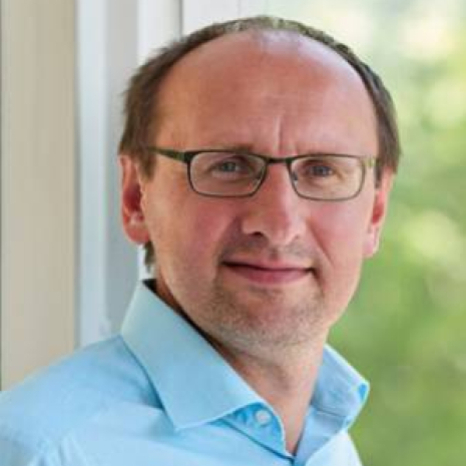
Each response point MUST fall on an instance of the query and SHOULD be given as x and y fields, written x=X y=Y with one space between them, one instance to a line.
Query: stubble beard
x=262 y=321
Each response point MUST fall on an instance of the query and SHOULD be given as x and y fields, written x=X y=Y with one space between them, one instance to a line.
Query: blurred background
x=64 y=66
x=406 y=329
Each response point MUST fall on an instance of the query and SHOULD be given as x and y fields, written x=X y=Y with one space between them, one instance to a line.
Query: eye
x=318 y=169
x=229 y=166
x=321 y=170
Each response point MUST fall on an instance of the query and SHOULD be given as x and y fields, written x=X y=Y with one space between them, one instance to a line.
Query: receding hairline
x=142 y=92
x=267 y=42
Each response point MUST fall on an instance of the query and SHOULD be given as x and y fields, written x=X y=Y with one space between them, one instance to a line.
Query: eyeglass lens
x=317 y=176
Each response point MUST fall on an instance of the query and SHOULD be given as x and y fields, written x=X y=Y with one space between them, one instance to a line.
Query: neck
x=284 y=377
x=285 y=382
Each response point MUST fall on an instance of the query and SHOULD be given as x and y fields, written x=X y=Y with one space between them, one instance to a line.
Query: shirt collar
x=196 y=385
x=340 y=390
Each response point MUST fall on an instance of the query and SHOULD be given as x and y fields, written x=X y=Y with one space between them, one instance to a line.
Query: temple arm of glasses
x=173 y=154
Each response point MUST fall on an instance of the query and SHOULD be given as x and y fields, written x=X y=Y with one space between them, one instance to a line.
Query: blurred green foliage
x=406 y=328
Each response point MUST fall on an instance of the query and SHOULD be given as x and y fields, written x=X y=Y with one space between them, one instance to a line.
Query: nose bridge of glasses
x=287 y=161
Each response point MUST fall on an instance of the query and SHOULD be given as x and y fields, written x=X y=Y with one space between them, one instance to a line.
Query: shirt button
x=262 y=417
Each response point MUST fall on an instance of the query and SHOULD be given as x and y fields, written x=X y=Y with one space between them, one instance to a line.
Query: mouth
x=269 y=274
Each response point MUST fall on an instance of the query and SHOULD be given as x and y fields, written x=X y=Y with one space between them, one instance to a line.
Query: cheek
x=187 y=232
x=341 y=232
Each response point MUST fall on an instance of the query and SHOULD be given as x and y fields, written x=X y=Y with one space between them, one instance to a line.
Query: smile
x=268 y=275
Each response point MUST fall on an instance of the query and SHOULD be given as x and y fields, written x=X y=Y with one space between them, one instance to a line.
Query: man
x=257 y=161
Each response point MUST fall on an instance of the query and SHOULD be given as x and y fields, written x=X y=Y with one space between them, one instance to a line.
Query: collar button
x=263 y=417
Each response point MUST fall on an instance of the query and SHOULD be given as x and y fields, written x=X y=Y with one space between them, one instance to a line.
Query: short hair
x=144 y=89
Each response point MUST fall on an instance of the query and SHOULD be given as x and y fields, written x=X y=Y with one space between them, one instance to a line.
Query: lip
x=268 y=274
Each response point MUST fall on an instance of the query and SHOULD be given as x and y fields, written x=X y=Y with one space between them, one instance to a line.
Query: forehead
x=248 y=75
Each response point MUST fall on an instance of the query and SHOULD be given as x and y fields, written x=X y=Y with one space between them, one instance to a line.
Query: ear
x=132 y=215
x=378 y=214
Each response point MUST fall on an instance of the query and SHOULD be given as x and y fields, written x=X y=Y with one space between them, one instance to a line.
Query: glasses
x=234 y=173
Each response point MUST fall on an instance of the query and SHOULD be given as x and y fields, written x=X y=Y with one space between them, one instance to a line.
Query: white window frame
x=114 y=37
x=199 y=13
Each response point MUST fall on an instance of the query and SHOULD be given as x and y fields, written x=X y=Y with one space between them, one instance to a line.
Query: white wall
x=38 y=185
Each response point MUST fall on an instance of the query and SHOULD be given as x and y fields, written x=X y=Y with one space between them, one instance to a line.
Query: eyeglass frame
x=188 y=156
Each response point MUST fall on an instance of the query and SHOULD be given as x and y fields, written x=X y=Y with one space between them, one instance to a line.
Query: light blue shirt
x=159 y=395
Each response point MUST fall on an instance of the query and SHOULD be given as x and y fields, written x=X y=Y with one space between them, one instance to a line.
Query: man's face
x=273 y=270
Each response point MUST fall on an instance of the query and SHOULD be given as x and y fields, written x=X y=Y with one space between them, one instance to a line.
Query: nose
x=275 y=211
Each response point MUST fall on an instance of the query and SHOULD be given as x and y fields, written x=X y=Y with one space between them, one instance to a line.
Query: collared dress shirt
x=159 y=394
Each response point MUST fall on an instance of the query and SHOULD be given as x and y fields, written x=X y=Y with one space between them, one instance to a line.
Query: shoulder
x=46 y=407
x=344 y=450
